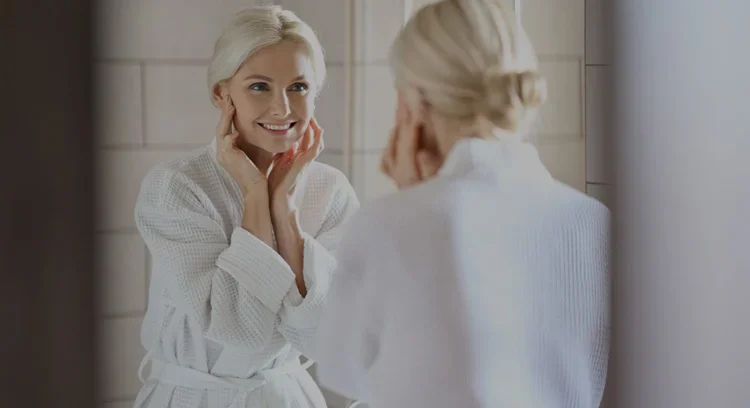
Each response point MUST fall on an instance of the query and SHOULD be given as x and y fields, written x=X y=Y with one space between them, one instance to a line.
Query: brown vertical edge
x=47 y=344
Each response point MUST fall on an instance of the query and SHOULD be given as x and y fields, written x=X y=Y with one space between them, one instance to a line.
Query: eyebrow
x=267 y=79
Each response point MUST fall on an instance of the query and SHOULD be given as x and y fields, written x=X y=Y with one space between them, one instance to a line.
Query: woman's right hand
x=256 y=217
x=403 y=160
x=232 y=158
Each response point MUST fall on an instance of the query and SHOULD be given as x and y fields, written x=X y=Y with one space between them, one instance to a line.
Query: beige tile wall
x=153 y=106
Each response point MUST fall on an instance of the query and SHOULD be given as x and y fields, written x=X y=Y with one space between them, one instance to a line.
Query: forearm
x=290 y=243
x=256 y=218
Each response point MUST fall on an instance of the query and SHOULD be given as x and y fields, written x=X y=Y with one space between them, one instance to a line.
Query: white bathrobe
x=225 y=323
x=485 y=287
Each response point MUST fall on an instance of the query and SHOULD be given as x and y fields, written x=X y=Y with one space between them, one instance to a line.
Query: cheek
x=303 y=106
x=249 y=107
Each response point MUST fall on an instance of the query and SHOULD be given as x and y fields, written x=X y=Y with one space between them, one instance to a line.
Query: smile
x=283 y=127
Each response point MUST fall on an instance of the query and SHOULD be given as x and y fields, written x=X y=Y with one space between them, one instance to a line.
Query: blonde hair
x=470 y=61
x=255 y=28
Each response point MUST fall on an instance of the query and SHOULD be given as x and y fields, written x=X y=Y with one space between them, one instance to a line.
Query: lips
x=277 y=127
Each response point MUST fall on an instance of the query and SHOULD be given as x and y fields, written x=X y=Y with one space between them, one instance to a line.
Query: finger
x=386 y=163
x=317 y=131
x=317 y=144
x=400 y=110
x=406 y=115
x=224 y=127
x=232 y=140
x=428 y=164
x=391 y=150
x=408 y=139
x=307 y=138
x=318 y=140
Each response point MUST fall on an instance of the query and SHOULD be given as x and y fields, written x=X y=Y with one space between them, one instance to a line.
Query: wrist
x=288 y=235
x=255 y=196
x=285 y=220
x=280 y=199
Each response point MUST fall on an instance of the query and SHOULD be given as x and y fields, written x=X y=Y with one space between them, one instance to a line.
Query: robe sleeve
x=351 y=318
x=300 y=317
x=232 y=288
x=394 y=325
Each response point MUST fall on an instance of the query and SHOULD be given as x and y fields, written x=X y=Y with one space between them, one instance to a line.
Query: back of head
x=471 y=62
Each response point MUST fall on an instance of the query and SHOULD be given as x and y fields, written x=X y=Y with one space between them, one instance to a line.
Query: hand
x=288 y=166
x=231 y=157
x=403 y=160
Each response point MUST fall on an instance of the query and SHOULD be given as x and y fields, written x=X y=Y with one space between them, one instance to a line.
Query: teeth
x=277 y=127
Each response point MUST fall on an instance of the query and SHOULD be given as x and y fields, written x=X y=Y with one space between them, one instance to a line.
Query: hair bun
x=508 y=96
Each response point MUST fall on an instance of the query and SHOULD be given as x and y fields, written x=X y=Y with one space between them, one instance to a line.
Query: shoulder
x=575 y=223
x=180 y=180
x=428 y=208
x=578 y=210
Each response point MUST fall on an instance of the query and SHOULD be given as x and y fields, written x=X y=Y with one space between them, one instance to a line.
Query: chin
x=278 y=146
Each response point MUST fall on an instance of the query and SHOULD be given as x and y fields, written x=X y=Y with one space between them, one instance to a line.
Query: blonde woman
x=242 y=232
x=483 y=282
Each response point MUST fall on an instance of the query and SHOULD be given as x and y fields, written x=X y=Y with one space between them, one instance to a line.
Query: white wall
x=153 y=106
x=682 y=273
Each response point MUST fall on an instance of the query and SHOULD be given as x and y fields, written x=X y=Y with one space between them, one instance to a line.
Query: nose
x=280 y=105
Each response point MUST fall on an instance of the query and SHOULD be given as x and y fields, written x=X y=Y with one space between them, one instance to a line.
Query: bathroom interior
x=150 y=61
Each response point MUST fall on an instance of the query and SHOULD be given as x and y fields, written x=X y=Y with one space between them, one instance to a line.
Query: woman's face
x=273 y=93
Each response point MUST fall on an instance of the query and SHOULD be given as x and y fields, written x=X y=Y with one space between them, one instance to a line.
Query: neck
x=261 y=158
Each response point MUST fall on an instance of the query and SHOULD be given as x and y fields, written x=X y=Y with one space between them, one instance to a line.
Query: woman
x=242 y=231
x=483 y=282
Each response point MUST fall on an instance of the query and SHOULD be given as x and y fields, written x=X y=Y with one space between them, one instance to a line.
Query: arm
x=291 y=243
x=390 y=303
x=313 y=262
x=231 y=287
x=352 y=317
x=395 y=322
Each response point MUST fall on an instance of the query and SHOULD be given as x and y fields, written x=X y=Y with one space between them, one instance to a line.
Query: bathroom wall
x=153 y=105
x=598 y=80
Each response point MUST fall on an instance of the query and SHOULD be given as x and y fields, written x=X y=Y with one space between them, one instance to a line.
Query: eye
x=258 y=86
x=299 y=87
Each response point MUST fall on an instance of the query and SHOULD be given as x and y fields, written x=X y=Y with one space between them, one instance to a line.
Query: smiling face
x=274 y=96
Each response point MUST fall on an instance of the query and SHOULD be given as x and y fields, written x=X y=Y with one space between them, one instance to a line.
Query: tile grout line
x=143 y=105
x=582 y=76
x=598 y=183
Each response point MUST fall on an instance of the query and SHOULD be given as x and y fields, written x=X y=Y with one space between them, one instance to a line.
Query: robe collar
x=501 y=158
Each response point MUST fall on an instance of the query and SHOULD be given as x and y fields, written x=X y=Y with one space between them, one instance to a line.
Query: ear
x=219 y=90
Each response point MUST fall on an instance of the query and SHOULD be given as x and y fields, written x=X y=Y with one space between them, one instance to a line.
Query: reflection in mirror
x=218 y=200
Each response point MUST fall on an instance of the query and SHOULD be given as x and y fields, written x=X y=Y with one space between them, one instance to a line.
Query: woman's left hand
x=288 y=166
x=403 y=160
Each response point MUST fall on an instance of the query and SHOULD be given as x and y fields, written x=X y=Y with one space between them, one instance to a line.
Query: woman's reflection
x=484 y=282
x=242 y=231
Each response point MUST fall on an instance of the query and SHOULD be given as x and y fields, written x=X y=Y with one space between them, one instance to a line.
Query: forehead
x=282 y=61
